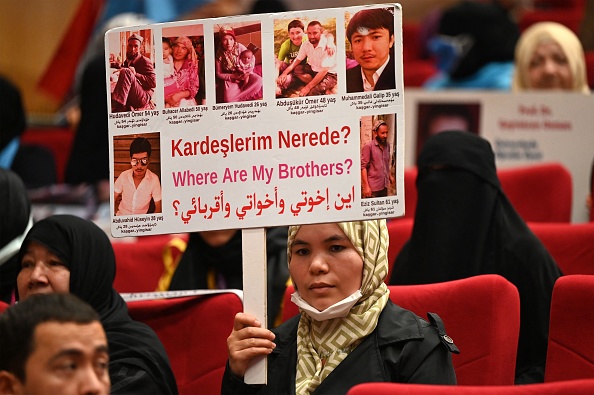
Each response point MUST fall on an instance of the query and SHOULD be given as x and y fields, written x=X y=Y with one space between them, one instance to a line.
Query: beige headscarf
x=567 y=40
x=187 y=43
x=332 y=340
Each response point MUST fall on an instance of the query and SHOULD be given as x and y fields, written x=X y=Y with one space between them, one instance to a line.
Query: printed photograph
x=378 y=162
x=132 y=70
x=238 y=62
x=137 y=174
x=305 y=57
x=183 y=66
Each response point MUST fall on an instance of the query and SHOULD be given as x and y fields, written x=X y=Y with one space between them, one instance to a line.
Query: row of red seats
x=481 y=315
x=540 y=192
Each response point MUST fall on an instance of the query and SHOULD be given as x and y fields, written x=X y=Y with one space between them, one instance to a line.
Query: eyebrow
x=75 y=352
x=329 y=239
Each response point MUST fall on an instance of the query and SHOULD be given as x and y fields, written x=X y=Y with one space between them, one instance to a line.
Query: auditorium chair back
x=481 y=314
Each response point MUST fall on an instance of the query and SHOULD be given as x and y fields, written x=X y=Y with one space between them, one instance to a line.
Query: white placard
x=256 y=163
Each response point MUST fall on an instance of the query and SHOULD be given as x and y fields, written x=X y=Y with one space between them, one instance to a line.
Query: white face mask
x=337 y=310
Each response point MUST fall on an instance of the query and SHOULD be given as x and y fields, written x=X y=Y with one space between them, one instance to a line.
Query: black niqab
x=464 y=226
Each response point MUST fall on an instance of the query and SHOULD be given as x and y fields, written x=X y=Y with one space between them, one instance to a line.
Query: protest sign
x=228 y=153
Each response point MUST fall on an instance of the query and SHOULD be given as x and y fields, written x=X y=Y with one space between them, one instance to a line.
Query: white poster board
x=256 y=163
x=523 y=129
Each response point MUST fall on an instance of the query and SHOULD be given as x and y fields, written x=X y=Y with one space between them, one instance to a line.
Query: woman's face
x=179 y=51
x=166 y=50
x=227 y=42
x=549 y=68
x=42 y=272
x=325 y=266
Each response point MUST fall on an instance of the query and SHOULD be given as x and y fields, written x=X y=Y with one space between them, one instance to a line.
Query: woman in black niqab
x=138 y=361
x=464 y=226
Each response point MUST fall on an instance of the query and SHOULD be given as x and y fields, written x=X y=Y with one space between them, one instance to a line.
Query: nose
x=366 y=43
x=318 y=264
x=38 y=275
x=93 y=383
x=550 y=67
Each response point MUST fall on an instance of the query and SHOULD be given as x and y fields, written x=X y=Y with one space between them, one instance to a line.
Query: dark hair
x=19 y=322
x=140 y=144
x=315 y=23
x=375 y=18
x=166 y=40
x=295 y=23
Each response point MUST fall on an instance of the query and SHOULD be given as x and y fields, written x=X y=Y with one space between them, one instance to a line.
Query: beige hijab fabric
x=567 y=40
x=332 y=340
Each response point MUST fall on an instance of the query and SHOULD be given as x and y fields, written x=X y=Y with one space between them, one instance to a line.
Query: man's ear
x=10 y=384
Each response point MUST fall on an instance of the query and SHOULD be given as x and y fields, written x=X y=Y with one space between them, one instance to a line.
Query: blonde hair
x=565 y=38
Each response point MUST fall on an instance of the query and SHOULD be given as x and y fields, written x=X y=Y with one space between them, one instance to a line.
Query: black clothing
x=402 y=348
x=15 y=212
x=225 y=262
x=491 y=32
x=89 y=156
x=464 y=225
x=138 y=361
x=387 y=79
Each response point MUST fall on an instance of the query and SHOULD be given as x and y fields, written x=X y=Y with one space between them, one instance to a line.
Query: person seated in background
x=464 y=225
x=53 y=344
x=549 y=56
x=135 y=187
x=136 y=80
x=15 y=211
x=33 y=163
x=371 y=34
x=348 y=332
x=213 y=260
x=68 y=254
x=474 y=47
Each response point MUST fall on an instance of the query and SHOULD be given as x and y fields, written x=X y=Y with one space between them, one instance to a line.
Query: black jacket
x=403 y=348
x=387 y=79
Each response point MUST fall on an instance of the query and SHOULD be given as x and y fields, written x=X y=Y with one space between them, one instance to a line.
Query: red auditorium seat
x=571 y=387
x=566 y=12
x=3 y=306
x=572 y=245
x=570 y=352
x=399 y=232
x=139 y=264
x=194 y=331
x=481 y=314
x=540 y=192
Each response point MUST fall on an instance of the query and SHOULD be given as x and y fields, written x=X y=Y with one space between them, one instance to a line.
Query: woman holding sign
x=338 y=270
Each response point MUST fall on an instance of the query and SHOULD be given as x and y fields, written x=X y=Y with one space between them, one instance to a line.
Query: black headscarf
x=12 y=113
x=15 y=217
x=464 y=226
x=87 y=252
x=494 y=34
x=199 y=259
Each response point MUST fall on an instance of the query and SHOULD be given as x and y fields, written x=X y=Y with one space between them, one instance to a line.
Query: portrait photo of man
x=370 y=33
x=133 y=81
x=377 y=159
x=137 y=190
